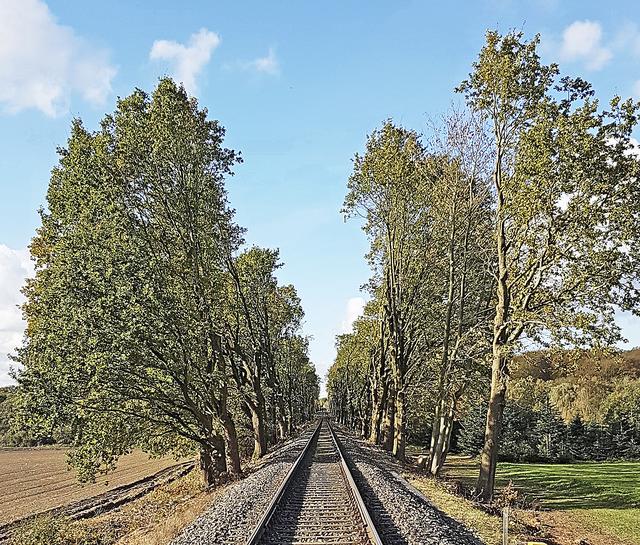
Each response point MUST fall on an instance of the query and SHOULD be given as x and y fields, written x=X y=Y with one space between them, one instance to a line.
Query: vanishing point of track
x=318 y=502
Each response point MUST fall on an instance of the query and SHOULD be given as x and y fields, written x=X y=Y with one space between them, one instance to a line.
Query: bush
x=51 y=530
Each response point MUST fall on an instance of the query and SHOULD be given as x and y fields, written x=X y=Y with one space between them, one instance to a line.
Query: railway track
x=318 y=501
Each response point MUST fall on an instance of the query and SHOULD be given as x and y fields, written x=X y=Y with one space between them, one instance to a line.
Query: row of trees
x=543 y=435
x=514 y=222
x=564 y=406
x=148 y=324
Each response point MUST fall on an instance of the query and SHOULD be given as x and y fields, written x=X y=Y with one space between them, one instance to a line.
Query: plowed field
x=34 y=480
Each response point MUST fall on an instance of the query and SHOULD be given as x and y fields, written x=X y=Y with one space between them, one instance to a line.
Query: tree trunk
x=282 y=427
x=377 y=414
x=489 y=455
x=259 y=430
x=212 y=460
x=435 y=430
x=281 y=418
x=499 y=371
x=447 y=444
x=273 y=434
x=378 y=385
x=364 y=426
x=441 y=446
x=399 y=436
x=388 y=421
x=231 y=440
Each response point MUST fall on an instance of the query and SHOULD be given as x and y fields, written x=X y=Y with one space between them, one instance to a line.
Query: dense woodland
x=502 y=242
x=564 y=407
x=150 y=322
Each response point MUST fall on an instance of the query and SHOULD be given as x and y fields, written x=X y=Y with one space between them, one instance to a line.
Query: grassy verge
x=487 y=527
x=595 y=502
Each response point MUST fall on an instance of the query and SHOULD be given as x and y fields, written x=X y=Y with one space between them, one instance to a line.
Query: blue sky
x=298 y=85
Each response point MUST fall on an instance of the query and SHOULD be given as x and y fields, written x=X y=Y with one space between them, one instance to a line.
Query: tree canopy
x=143 y=309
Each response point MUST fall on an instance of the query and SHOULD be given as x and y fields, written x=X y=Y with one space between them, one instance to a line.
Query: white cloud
x=582 y=41
x=355 y=308
x=43 y=63
x=15 y=267
x=188 y=60
x=267 y=65
x=636 y=89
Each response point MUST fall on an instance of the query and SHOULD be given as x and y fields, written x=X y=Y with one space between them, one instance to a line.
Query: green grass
x=587 y=485
x=602 y=495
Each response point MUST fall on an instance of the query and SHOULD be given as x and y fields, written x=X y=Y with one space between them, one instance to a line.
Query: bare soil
x=36 y=480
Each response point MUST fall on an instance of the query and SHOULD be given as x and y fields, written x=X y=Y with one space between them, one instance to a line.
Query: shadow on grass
x=585 y=485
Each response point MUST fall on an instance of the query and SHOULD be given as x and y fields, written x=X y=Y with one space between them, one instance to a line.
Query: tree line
x=542 y=435
x=514 y=222
x=150 y=323
x=563 y=406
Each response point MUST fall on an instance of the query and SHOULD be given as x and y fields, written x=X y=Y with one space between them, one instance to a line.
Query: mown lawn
x=598 y=496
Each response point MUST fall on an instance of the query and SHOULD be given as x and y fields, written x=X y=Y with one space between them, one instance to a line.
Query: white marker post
x=505 y=525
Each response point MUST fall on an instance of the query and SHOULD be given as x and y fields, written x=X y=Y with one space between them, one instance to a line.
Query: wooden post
x=505 y=526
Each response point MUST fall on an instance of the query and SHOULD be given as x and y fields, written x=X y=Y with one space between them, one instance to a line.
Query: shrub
x=51 y=530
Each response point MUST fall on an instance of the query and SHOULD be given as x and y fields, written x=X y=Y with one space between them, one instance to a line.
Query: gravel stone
x=401 y=514
x=237 y=511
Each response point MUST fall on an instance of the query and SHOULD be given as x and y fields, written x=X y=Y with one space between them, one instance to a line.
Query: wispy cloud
x=582 y=41
x=353 y=310
x=43 y=63
x=15 y=267
x=187 y=60
x=268 y=64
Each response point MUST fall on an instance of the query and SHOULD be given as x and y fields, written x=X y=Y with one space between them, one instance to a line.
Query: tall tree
x=566 y=230
x=388 y=188
x=125 y=312
x=460 y=208
x=263 y=315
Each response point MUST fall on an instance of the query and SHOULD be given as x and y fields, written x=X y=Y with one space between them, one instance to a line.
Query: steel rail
x=275 y=501
x=364 y=512
x=262 y=529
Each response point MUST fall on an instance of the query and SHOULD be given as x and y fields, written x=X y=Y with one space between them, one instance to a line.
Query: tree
x=347 y=378
x=127 y=338
x=566 y=224
x=461 y=221
x=252 y=284
x=262 y=318
x=388 y=188
x=298 y=381
x=471 y=437
x=551 y=431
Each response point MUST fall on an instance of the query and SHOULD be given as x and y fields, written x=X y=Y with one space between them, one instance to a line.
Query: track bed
x=318 y=503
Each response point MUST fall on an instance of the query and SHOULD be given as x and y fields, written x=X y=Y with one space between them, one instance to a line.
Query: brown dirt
x=35 y=480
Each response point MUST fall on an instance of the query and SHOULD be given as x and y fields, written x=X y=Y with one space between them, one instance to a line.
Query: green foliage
x=129 y=334
x=471 y=437
x=565 y=220
x=427 y=212
x=12 y=434
x=530 y=434
x=566 y=201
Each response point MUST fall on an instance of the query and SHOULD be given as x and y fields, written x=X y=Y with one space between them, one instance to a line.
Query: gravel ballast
x=402 y=515
x=237 y=511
